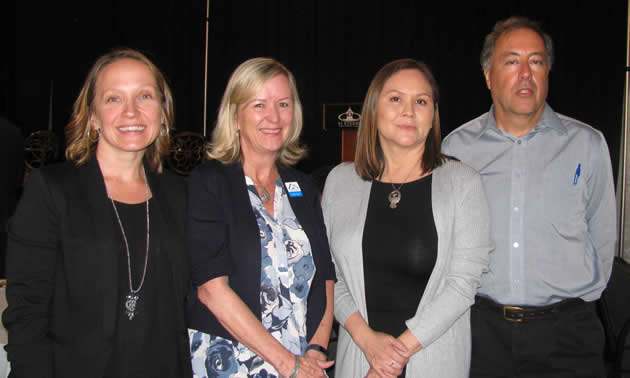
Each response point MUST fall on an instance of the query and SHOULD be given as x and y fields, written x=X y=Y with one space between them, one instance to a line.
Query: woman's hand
x=386 y=354
x=316 y=355
x=309 y=367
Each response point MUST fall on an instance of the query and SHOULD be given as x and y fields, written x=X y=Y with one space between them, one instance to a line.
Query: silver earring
x=163 y=132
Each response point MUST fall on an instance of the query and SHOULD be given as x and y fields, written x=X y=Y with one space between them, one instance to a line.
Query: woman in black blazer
x=97 y=269
x=263 y=278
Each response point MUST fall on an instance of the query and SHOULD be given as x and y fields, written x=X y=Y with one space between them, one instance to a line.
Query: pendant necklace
x=131 y=300
x=395 y=196
x=265 y=196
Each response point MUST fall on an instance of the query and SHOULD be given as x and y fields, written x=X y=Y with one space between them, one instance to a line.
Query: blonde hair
x=369 y=161
x=82 y=141
x=245 y=82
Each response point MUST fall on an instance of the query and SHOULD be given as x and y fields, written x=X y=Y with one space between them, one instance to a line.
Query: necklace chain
x=132 y=298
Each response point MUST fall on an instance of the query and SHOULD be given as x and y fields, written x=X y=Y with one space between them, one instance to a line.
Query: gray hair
x=508 y=25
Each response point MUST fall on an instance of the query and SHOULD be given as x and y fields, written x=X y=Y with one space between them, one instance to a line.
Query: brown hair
x=369 y=160
x=81 y=140
x=247 y=80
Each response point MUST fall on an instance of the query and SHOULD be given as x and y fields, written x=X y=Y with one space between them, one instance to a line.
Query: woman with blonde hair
x=97 y=269
x=409 y=232
x=261 y=268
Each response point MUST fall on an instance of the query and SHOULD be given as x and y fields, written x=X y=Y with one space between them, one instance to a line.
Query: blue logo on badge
x=294 y=189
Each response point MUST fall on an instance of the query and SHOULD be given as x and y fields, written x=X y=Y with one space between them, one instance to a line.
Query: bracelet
x=318 y=348
x=296 y=368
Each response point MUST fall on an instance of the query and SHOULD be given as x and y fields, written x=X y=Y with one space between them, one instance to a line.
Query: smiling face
x=127 y=108
x=405 y=111
x=265 y=119
x=518 y=76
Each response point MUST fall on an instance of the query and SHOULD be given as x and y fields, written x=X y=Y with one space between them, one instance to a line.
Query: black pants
x=568 y=343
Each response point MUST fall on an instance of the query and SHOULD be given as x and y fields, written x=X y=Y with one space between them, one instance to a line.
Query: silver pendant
x=394 y=198
x=130 y=305
x=265 y=196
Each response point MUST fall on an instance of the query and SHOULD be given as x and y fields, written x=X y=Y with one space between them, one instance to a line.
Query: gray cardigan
x=442 y=321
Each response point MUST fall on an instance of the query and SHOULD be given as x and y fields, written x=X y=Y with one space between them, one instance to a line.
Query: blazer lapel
x=243 y=220
x=170 y=235
x=92 y=185
x=299 y=204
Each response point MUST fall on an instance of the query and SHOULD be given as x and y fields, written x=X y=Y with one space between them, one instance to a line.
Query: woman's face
x=265 y=119
x=405 y=111
x=127 y=108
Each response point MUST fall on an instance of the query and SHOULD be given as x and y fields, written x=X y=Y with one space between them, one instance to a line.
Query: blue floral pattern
x=287 y=271
x=216 y=357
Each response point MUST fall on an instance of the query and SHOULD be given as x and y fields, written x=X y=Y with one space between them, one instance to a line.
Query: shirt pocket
x=565 y=205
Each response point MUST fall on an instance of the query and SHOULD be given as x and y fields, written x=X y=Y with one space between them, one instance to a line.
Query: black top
x=399 y=253
x=138 y=340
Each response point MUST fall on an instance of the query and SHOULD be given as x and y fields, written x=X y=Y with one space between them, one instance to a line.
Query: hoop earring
x=89 y=133
x=163 y=132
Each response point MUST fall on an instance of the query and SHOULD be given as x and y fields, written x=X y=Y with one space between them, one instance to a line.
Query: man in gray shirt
x=548 y=180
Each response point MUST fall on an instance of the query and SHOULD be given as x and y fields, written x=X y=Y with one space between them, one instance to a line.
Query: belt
x=519 y=314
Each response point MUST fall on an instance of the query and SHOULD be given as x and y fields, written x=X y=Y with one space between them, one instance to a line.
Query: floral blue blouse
x=287 y=271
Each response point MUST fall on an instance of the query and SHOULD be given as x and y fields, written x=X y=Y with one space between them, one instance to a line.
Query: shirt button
x=516 y=209
x=519 y=141
x=515 y=245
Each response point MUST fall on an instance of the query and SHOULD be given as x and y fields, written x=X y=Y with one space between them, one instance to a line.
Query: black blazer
x=62 y=270
x=224 y=240
x=12 y=173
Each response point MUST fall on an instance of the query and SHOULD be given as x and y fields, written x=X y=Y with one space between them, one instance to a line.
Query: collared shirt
x=551 y=196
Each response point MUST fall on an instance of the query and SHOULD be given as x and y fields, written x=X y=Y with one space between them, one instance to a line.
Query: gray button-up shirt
x=552 y=201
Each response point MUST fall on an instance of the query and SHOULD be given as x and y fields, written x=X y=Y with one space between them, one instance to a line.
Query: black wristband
x=317 y=347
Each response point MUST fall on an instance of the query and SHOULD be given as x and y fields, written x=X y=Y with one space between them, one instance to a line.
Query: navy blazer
x=224 y=240
x=62 y=270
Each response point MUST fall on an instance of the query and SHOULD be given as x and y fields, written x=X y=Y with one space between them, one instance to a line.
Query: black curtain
x=333 y=48
x=57 y=42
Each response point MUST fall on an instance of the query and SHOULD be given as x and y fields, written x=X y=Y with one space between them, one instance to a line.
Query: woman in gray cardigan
x=409 y=231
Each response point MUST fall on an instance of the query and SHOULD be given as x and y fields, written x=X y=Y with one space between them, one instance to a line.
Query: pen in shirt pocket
x=577 y=174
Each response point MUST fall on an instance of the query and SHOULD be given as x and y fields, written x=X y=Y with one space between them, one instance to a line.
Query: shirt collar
x=549 y=120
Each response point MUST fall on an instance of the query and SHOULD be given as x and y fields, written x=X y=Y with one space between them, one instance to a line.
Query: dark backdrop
x=333 y=47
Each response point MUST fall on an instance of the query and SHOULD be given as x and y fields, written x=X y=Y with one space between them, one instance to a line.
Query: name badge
x=293 y=188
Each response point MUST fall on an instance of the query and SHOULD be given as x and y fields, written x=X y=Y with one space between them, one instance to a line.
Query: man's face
x=518 y=75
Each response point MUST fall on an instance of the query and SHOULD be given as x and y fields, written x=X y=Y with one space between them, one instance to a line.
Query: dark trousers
x=566 y=343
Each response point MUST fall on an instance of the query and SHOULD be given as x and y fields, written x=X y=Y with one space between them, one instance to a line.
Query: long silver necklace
x=395 y=196
x=131 y=300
